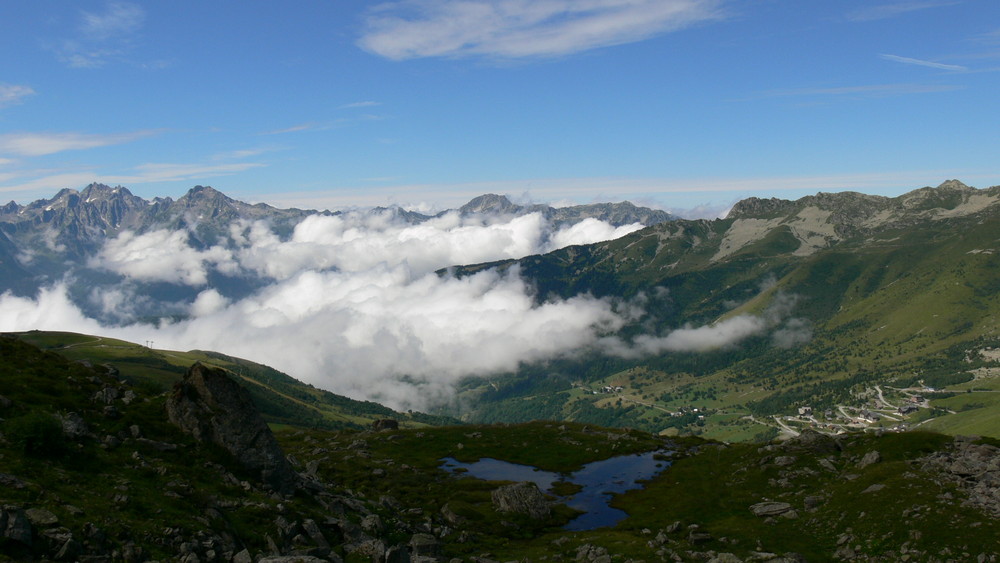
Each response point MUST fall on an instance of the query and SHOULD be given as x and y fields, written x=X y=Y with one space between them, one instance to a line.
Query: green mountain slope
x=851 y=291
x=280 y=398
x=93 y=471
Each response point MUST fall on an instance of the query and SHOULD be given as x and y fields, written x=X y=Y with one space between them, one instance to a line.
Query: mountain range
x=845 y=305
x=57 y=239
x=73 y=224
x=837 y=311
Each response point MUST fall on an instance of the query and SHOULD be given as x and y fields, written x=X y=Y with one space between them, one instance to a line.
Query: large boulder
x=211 y=407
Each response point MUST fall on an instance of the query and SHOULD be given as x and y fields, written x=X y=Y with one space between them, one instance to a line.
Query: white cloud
x=162 y=256
x=11 y=94
x=929 y=64
x=208 y=302
x=590 y=230
x=522 y=29
x=351 y=303
x=51 y=310
x=40 y=144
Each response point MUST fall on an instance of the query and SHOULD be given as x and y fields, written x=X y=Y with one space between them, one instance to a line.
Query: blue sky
x=334 y=103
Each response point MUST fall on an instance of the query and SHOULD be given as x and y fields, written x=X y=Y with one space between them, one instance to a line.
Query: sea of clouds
x=352 y=303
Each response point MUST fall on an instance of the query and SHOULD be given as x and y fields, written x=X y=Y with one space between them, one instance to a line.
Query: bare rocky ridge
x=211 y=407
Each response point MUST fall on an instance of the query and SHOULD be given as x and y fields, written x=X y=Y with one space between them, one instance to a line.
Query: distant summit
x=618 y=214
x=490 y=203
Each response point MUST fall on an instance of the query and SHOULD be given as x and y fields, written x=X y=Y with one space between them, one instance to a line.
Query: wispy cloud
x=40 y=144
x=326 y=125
x=102 y=36
x=11 y=94
x=920 y=62
x=120 y=18
x=867 y=91
x=365 y=104
x=298 y=128
x=886 y=11
x=515 y=29
x=244 y=153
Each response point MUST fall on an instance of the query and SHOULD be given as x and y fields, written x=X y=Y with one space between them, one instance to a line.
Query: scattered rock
x=873 y=488
x=974 y=467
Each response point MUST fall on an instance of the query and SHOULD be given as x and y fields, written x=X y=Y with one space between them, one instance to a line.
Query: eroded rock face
x=211 y=407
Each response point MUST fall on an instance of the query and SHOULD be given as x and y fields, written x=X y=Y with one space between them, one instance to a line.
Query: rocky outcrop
x=211 y=407
x=974 y=467
x=522 y=498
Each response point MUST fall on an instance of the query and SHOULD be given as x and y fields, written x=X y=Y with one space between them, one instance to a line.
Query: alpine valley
x=818 y=380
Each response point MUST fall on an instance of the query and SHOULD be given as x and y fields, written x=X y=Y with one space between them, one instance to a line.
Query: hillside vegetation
x=93 y=471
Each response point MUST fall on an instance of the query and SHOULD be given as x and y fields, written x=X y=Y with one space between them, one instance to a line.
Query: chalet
x=805 y=411
x=907 y=409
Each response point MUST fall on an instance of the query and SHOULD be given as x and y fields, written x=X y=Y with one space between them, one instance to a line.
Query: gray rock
x=211 y=407
x=522 y=498
x=424 y=544
x=107 y=395
x=14 y=525
x=765 y=509
x=11 y=481
x=784 y=460
x=870 y=458
x=292 y=559
x=5 y=403
x=73 y=426
x=41 y=517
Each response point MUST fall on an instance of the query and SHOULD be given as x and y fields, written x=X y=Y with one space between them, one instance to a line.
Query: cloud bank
x=514 y=29
x=352 y=303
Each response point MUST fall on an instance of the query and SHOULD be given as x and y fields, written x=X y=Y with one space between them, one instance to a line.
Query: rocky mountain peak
x=204 y=194
x=953 y=185
x=490 y=203
x=757 y=207
x=11 y=207
x=97 y=191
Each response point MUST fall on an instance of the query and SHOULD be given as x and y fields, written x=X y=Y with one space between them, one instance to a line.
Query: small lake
x=599 y=480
